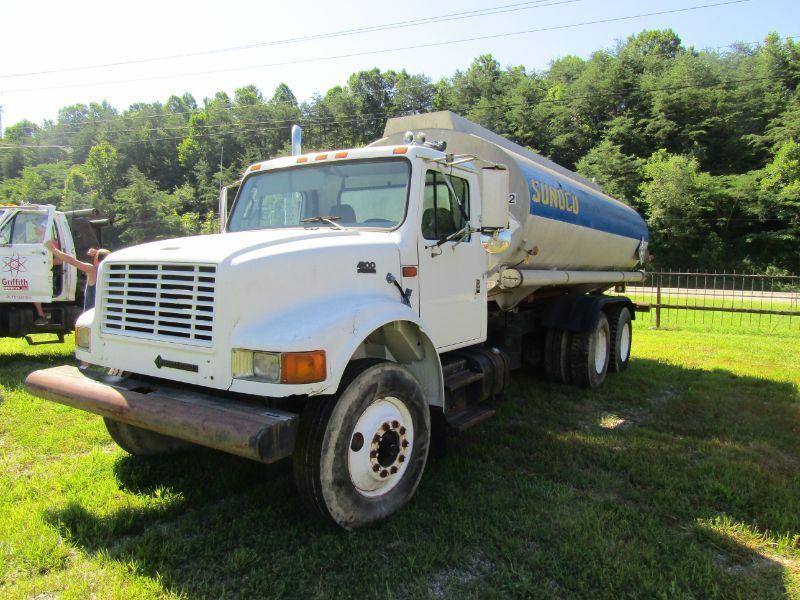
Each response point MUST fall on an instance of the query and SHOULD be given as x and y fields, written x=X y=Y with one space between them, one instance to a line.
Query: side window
x=5 y=232
x=24 y=228
x=441 y=215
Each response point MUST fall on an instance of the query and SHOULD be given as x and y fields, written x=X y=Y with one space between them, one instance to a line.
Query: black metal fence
x=739 y=300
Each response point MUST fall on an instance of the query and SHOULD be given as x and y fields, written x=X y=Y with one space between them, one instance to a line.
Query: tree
x=619 y=174
x=673 y=194
x=144 y=213
x=102 y=170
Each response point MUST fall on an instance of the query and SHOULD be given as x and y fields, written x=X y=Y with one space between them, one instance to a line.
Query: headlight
x=83 y=337
x=286 y=367
x=267 y=365
x=249 y=364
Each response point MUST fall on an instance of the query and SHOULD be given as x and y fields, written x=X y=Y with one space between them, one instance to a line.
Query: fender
x=580 y=313
x=339 y=325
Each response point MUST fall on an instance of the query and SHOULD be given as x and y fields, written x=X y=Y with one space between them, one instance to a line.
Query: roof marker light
x=400 y=150
x=255 y=168
x=320 y=157
x=302 y=159
x=340 y=155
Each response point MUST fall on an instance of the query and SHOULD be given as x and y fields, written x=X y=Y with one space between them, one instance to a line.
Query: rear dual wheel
x=621 y=330
x=556 y=355
x=359 y=455
x=589 y=354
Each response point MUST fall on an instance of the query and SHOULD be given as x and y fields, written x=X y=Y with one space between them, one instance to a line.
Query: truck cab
x=29 y=274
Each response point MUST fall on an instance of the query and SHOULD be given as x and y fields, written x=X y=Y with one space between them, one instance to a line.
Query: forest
x=704 y=143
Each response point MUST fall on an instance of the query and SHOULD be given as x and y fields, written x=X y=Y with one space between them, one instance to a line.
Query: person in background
x=97 y=255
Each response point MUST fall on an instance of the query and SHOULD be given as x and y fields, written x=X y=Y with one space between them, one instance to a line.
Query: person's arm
x=71 y=260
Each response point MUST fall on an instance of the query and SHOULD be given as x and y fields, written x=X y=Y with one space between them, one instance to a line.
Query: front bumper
x=234 y=426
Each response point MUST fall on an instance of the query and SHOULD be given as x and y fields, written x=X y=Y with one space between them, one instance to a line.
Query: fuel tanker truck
x=356 y=305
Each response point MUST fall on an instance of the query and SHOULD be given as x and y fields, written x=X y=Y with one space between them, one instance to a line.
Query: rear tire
x=360 y=454
x=142 y=442
x=621 y=338
x=589 y=355
x=556 y=355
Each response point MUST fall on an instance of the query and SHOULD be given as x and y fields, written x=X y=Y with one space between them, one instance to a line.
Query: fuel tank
x=559 y=220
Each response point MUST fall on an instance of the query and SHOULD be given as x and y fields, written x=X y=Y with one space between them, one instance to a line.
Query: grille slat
x=164 y=302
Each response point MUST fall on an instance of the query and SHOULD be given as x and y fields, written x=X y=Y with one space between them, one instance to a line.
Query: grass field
x=679 y=478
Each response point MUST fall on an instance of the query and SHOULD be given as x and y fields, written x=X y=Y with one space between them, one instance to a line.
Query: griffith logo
x=14 y=265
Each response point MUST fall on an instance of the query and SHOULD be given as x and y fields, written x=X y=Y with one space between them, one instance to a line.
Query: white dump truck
x=28 y=273
x=357 y=304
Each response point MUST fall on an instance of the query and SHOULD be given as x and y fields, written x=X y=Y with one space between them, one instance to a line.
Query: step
x=461 y=379
x=453 y=366
x=469 y=417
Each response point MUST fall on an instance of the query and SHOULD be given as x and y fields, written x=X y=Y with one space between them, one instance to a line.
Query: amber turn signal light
x=303 y=367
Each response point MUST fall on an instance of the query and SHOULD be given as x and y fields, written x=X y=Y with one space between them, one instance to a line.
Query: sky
x=42 y=35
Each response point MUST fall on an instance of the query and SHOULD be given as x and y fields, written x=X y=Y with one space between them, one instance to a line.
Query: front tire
x=360 y=454
x=142 y=442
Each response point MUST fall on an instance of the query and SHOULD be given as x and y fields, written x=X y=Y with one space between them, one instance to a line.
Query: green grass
x=679 y=478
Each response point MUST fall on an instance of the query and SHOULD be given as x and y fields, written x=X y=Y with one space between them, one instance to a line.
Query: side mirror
x=498 y=242
x=223 y=204
x=494 y=197
x=223 y=208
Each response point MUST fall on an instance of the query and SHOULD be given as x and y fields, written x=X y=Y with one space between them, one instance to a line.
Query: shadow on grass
x=14 y=367
x=566 y=492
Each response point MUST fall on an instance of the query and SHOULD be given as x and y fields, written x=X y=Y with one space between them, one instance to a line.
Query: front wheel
x=360 y=454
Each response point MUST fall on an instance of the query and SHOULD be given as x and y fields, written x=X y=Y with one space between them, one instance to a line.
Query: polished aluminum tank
x=560 y=220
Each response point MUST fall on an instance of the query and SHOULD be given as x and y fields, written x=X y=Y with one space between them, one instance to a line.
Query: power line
x=43 y=146
x=257 y=126
x=388 y=50
x=232 y=127
x=168 y=113
x=482 y=12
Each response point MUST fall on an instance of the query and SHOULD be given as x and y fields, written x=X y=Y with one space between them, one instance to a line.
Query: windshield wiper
x=330 y=220
x=461 y=235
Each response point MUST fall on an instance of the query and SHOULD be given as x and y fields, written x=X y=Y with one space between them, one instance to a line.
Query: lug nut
x=376 y=468
x=402 y=431
x=384 y=473
x=386 y=427
x=373 y=454
x=401 y=458
x=405 y=443
x=393 y=470
x=395 y=424
x=376 y=439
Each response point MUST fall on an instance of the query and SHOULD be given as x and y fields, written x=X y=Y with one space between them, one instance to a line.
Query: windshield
x=24 y=228
x=367 y=193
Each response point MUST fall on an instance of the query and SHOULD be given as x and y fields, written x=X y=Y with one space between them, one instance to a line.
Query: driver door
x=25 y=263
x=452 y=275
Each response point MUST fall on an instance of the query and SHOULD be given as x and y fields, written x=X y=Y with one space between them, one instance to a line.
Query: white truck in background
x=27 y=272
x=356 y=304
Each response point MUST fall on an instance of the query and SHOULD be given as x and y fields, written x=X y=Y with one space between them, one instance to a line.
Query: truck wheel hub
x=377 y=466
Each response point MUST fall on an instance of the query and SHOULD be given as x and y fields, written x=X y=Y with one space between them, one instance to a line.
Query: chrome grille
x=171 y=302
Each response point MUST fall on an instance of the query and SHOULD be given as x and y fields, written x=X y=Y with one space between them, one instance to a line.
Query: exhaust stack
x=297 y=134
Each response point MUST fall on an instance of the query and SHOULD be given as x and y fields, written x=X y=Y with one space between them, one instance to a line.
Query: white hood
x=216 y=248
